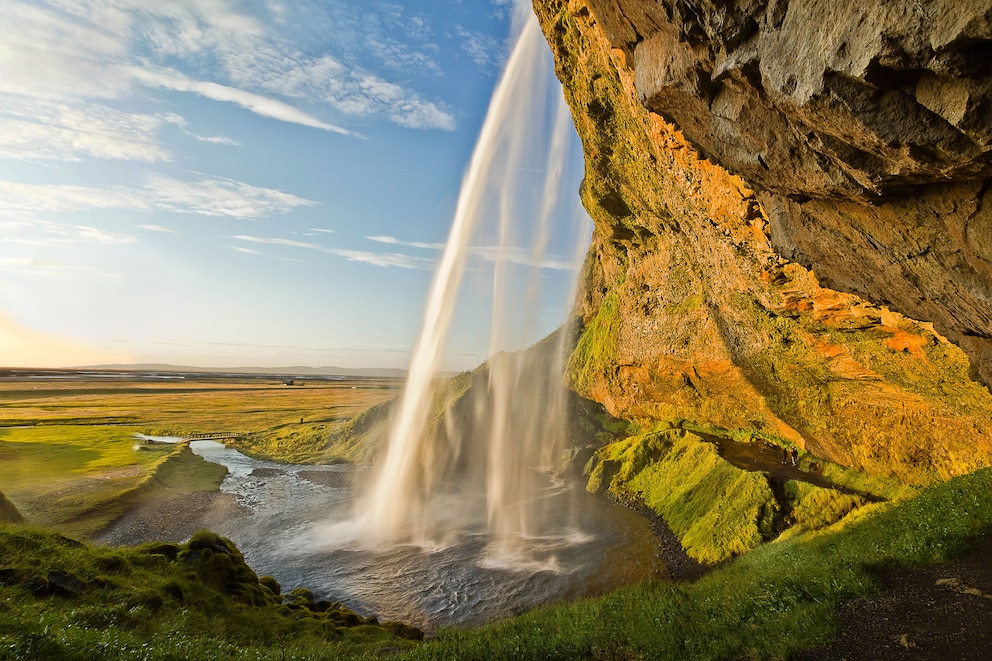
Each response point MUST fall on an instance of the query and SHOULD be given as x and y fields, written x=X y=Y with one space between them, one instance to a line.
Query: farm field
x=70 y=458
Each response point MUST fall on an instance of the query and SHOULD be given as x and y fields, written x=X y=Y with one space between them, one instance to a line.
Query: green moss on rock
x=717 y=510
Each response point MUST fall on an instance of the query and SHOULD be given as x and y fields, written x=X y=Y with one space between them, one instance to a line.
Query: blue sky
x=224 y=183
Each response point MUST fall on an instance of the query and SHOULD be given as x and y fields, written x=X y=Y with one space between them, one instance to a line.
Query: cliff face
x=791 y=233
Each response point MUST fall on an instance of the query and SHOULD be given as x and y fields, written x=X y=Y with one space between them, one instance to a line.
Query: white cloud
x=180 y=121
x=391 y=240
x=247 y=251
x=57 y=53
x=509 y=254
x=485 y=51
x=279 y=242
x=260 y=105
x=28 y=262
x=219 y=197
x=20 y=198
x=207 y=197
x=367 y=257
x=45 y=232
x=251 y=57
x=349 y=90
x=158 y=228
x=40 y=129
x=386 y=259
x=70 y=68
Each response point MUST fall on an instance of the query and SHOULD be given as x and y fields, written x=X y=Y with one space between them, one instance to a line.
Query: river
x=297 y=523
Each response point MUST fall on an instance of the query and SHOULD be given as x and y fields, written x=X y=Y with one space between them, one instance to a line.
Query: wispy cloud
x=39 y=232
x=254 y=58
x=391 y=240
x=386 y=259
x=219 y=197
x=261 y=105
x=180 y=121
x=48 y=267
x=158 y=228
x=41 y=129
x=510 y=254
x=486 y=52
x=368 y=257
x=71 y=68
x=280 y=242
x=207 y=196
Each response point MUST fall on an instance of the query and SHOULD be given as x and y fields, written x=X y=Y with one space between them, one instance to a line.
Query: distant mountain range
x=377 y=372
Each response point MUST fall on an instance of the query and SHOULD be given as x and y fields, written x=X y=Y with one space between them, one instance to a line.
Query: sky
x=250 y=183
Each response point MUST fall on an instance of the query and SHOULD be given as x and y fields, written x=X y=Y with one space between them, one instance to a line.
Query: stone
x=792 y=237
x=64 y=583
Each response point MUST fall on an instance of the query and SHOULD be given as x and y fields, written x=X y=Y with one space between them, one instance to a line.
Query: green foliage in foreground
x=197 y=601
x=60 y=599
x=778 y=599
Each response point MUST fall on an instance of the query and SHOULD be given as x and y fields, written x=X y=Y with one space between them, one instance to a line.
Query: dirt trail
x=939 y=611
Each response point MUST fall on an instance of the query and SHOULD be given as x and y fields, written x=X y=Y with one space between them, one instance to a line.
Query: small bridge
x=212 y=436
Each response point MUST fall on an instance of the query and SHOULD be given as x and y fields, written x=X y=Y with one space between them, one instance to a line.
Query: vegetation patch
x=816 y=507
x=8 y=512
x=717 y=510
x=66 y=600
x=595 y=352
x=70 y=477
x=293 y=443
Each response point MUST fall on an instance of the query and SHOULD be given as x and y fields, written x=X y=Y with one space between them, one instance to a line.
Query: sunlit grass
x=69 y=458
x=770 y=603
x=61 y=475
x=226 y=405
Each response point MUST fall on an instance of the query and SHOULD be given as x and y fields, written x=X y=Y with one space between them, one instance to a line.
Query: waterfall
x=490 y=444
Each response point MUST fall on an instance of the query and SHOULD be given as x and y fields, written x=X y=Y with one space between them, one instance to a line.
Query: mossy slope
x=716 y=509
x=66 y=600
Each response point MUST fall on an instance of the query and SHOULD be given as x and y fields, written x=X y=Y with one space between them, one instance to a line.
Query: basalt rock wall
x=793 y=221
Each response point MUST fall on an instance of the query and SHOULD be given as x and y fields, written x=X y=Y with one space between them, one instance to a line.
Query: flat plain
x=70 y=458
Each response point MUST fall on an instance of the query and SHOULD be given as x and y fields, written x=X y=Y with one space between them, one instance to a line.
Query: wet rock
x=64 y=584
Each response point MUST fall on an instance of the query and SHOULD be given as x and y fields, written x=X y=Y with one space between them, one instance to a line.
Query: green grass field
x=69 y=459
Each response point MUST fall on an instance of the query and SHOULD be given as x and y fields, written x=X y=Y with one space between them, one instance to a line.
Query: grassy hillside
x=9 y=513
x=65 y=600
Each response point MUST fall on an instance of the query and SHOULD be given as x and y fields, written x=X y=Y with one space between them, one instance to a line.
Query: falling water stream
x=463 y=518
x=524 y=139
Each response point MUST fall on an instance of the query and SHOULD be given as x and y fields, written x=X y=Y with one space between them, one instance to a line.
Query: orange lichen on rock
x=692 y=312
